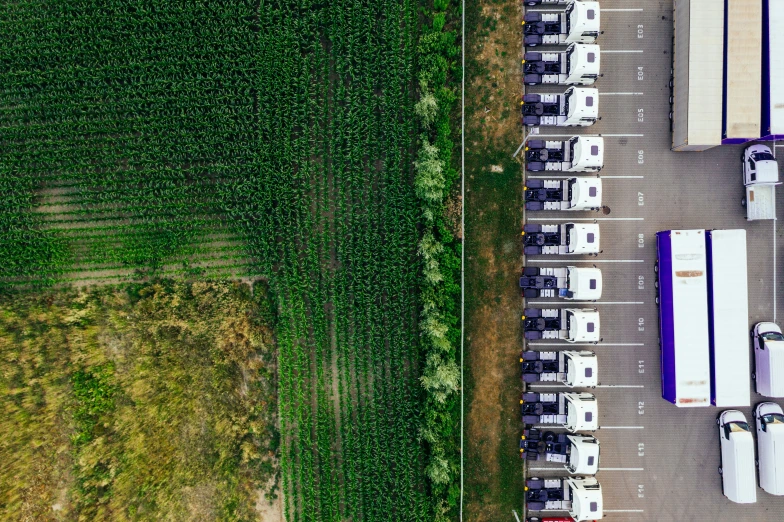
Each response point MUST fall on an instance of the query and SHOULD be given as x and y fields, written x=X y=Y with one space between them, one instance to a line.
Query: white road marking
x=620 y=386
x=586 y=260
x=622 y=177
x=622 y=50
x=586 y=219
x=624 y=511
x=621 y=10
x=570 y=303
x=621 y=469
x=590 y=135
x=621 y=427
x=537 y=385
x=564 y=343
x=620 y=94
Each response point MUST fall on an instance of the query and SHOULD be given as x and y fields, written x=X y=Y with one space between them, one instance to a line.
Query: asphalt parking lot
x=658 y=462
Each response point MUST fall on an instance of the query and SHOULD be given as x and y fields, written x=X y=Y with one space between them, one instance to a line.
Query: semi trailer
x=571 y=282
x=563 y=194
x=577 y=65
x=581 y=497
x=576 y=369
x=772 y=121
x=573 y=325
x=578 y=453
x=566 y=238
x=576 y=107
x=577 y=154
x=728 y=313
x=578 y=22
x=683 y=317
x=573 y=411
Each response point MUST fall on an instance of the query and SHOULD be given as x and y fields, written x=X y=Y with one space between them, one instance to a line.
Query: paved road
x=658 y=462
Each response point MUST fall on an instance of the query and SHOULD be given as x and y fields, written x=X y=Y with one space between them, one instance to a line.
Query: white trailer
x=579 y=22
x=698 y=74
x=684 y=332
x=576 y=107
x=578 y=154
x=760 y=176
x=772 y=71
x=743 y=71
x=728 y=312
x=577 y=65
x=563 y=194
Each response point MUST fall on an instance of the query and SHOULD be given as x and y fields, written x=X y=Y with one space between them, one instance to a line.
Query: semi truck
x=578 y=453
x=571 y=282
x=684 y=339
x=576 y=369
x=579 y=22
x=573 y=411
x=566 y=238
x=760 y=176
x=728 y=312
x=573 y=325
x=581 y=497
x=576 y=107
x=772 y=122
x=577 y=154
x=563 y=194
x=577 y=65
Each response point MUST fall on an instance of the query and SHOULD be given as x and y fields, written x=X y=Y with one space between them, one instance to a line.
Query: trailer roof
x=743 y=74
x=729 y=312
x=775 y=52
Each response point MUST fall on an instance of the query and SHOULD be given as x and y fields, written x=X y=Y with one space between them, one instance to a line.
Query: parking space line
x=618 y=51
x=559 y=385
x=621 y=10
x=621 y=427
x=620 y=94
x=622 y=135
x=621 y=469
x=622 y=177
x=586 y=219
x=570 y=303
x=624 y=511
x=585 y=260
x=564 y=343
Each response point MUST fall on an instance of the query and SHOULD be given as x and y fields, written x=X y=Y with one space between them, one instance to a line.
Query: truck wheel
x=657 y=301
x=753 y=376
x=656 y=283
x=721 y=471
x=656 y=268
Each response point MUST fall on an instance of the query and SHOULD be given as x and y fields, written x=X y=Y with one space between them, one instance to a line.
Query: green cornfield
x=240 y=138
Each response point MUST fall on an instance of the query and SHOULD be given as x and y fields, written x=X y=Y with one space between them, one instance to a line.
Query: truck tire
x=721 y=471
x=753 y=376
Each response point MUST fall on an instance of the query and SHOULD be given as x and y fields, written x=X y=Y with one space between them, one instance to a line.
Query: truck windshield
x=737 y=426
x=762 y=156
x=772 y=336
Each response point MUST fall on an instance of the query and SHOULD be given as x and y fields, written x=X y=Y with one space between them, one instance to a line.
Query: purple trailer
x=683 y=317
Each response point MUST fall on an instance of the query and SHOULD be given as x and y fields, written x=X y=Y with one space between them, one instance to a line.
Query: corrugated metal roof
x=744 y=69
x=706 y=71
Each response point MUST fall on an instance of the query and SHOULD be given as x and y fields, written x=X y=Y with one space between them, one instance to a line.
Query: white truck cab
x=768 y=359
x=575 y=369
x=584 y=238
x=582 y=412
x=760 y=176
x=583 y=458
x=583 y=325
x=770 y=447
x=573 y=325
x=579 y=22
x=578 y=154
x=579 y=64
x=563 y=194
x=581 y=497
x=571 y=282
x=576 y=107
x=738 y=474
